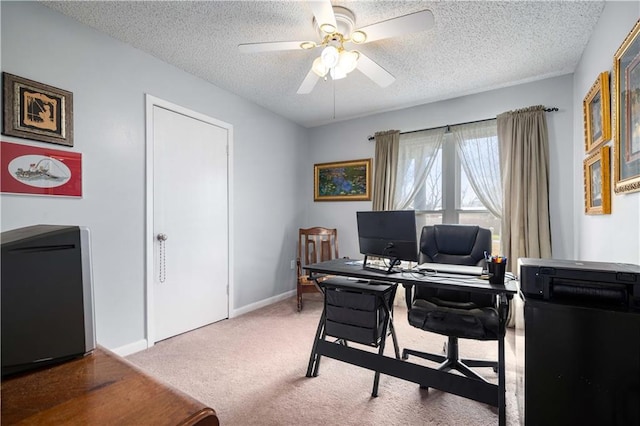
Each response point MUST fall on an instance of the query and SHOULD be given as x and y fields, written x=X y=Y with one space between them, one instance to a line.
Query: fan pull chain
x=334 y=98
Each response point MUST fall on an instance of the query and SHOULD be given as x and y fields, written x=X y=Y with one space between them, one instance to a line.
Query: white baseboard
x=130 y=348
x=261 y=303
x=141 y=345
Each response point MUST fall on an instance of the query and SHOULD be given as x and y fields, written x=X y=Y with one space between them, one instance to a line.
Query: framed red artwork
x=33 y=170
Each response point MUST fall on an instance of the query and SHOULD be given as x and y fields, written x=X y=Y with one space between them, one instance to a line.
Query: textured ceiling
x=474 y=46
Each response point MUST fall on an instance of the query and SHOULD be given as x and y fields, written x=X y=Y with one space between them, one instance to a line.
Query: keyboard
x=448 y=268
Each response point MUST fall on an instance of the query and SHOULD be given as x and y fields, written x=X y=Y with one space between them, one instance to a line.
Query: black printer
x=581 y=343
x=616 y=285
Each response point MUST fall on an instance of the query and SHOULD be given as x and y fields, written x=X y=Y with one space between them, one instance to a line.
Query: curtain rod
x=371 y=138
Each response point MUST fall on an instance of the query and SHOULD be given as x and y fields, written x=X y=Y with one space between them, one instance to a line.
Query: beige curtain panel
x=385 y=167
x=524 y=168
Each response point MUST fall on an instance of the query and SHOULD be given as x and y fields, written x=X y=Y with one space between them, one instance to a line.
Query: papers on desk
x=448 y=268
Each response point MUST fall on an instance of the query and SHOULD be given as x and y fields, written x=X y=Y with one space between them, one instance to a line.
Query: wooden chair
x=314 y=245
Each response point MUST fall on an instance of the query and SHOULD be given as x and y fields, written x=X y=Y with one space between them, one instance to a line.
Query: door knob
x=162 y=237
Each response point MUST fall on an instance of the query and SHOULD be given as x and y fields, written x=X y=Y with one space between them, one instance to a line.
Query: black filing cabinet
x=581 y=343
x=356 y=311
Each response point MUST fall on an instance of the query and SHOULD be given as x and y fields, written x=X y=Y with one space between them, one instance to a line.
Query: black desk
x=477 y=390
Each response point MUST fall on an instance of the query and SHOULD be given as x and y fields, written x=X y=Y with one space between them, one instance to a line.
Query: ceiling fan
x=335 y=26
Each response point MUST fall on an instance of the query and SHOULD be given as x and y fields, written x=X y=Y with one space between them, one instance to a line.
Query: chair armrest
x=504 y=300
x=319 y=277
x=408 y=293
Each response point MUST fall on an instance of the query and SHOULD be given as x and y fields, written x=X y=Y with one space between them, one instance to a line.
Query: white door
x=190 y=208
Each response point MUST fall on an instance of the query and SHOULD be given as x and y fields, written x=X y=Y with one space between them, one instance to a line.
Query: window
x=451 y=176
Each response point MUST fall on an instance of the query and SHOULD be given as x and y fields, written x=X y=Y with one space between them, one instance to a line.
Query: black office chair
x=454 y=313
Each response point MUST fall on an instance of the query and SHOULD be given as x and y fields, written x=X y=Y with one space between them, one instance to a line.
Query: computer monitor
x=388 y=234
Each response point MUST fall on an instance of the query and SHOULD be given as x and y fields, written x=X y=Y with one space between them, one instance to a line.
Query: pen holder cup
x=496 y=271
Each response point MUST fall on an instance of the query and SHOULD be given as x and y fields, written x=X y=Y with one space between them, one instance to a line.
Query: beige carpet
x=251 y=370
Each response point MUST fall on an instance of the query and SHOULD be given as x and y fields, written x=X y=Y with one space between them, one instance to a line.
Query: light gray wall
x=348 y=140
x=614 y=237
x=109 y=80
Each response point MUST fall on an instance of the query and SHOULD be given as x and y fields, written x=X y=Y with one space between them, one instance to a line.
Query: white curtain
x=477 y=148
x=416 y=155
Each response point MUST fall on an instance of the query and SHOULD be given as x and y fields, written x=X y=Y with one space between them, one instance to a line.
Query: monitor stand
x=384 y=269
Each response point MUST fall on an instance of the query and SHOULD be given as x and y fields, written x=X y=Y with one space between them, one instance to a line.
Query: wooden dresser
x=99 y=389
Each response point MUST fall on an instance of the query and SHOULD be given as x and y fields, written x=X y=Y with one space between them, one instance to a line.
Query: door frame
x=151 y=102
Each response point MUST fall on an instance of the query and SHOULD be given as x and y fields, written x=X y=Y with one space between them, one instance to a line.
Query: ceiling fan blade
x=323 y=12
x=375 y=72
x=414 y=22
x=308 y=83
x=270 y=46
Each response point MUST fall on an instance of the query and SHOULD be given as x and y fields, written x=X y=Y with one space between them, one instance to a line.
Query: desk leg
x=502 y=420
x=389 y=311
x=396 y=347
x=502 y=318
x=388 y=326
x=314 y=360
x=383 y=339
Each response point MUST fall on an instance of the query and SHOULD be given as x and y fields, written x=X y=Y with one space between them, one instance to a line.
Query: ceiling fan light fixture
x=329 y=56
x=358 y=37
x=328 y=28
x=337 y=73
x=337 y=28
x=319 y=68
x=347 y=61
x=307 y=45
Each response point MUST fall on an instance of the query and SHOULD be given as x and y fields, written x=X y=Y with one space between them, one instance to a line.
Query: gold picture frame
x=342 y=181
x=597 y=115
x=597 y=183
x=37 y=111
x=626 y=75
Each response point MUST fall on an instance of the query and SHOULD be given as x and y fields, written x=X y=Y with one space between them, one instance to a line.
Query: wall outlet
x=293 y=264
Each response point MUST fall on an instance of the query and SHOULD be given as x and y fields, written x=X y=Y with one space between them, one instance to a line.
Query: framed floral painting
x=626 y=74
x=597 y=115
x=597 y=183
x=343 y=181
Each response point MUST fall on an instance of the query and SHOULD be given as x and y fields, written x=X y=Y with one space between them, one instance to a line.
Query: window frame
x=451 y=186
